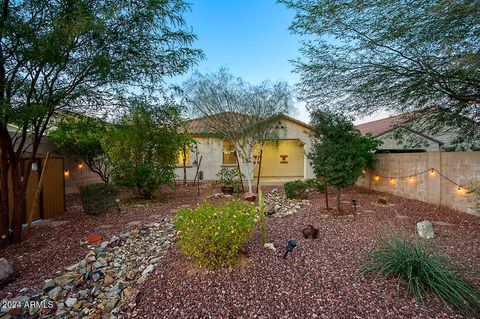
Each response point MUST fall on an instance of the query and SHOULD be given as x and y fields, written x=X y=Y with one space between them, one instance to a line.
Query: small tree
x=340 y=154
x=243 y=113
x=79 y=138
x=143 y=147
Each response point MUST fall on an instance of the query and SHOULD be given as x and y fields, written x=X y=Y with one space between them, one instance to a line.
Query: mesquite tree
x=423 y=57
x=80 y=138
x=340 y=154
x=238 y=111
x=76 y=55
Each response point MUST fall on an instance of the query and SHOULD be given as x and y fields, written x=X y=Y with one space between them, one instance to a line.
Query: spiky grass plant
x=424 y=272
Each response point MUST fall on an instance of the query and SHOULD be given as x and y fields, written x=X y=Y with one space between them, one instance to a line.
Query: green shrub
x=296 y=189
x=423 y=271
x=315 y=184
x=98 y=198
x=213 y=234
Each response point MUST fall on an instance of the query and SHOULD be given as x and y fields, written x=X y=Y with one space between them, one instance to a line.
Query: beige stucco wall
x=390 y=143
x=211 y=151
x=461 y=167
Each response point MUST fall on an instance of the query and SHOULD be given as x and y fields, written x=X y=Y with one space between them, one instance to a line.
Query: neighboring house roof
x=202 y=126
x=379 y=127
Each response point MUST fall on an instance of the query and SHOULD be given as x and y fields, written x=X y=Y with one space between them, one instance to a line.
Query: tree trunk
x=338 y=200
x=326 y=197
x=184 y=150
x=19 y=189
x=354 y=211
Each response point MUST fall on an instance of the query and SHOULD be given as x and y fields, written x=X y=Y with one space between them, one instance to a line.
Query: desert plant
x=296 y=189
x=228 y=176
x=382 y=201
x=98 y=198
x=214 y=234
x=261 y=211
x=315 y=184
x=424 y=272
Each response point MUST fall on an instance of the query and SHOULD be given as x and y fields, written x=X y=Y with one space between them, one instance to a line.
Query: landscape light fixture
x=117 y=201
x=34 y=166
x=354 y=203
x=291 y=244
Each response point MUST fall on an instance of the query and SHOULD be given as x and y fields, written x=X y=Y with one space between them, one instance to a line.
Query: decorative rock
x=270 y=246
x=7 y=272
x=115 y=290
x=49 y=285
x=425 y=229
x=110 y=305
x=64 y=280
x=70 y=302
x=55 y=293
x=108 y=280
x=149 y=268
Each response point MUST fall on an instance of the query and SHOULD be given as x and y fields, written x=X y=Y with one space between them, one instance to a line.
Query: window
x=180 y=156
x=229 y=157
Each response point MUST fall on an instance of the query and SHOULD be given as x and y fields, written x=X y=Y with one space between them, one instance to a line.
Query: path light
x=354 y=203
x=291 y=244
x=117 y=201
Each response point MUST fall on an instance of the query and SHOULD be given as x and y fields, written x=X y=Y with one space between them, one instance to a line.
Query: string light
x=80 y=166
x=411 y=178
x=66 y=173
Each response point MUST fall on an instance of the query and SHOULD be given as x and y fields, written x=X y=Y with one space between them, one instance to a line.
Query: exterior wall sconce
x=34 y=166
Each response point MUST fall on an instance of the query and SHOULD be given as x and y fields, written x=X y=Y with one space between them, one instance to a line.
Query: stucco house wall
x=210 y=149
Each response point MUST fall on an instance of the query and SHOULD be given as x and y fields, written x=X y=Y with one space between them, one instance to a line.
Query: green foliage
x=213 y=235
x=340 y=154
x=263 y=222
x=228 y=176
x=79 y=138
x=143 y=147
x=423 y=271
x=296 y=189
x=315 y=184
x=98 y=198
x=357 y=61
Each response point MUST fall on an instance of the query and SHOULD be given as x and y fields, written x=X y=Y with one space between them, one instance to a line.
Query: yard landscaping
x=318 y=279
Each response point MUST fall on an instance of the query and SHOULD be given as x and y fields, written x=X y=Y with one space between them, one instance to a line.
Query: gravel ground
x=318 y=280
x=53 y=246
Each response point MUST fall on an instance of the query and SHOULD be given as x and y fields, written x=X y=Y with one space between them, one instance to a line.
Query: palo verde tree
x=143 y=147
x=340 y=154
x=243 y=113
x=403 y=56
x=76 y=55
x=79 y=137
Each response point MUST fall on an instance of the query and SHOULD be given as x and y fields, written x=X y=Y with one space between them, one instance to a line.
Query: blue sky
x=249 y=37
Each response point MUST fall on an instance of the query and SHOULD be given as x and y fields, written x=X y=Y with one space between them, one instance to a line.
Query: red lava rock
x=94 y=238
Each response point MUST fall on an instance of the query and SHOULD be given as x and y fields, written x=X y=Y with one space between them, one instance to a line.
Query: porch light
x=34 y=166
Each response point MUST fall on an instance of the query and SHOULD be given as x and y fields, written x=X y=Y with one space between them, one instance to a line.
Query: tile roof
x=379 y=127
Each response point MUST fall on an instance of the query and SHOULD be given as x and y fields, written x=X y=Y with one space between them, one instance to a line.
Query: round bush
x=213 y=234
x=98 y=198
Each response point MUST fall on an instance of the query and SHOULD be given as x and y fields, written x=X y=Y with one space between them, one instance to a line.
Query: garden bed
x=318 y=279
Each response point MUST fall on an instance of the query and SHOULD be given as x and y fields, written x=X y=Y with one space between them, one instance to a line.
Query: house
x=283 y=159
x=401 y=133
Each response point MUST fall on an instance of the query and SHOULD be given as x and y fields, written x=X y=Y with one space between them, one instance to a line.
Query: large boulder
x=425 y=229
x=7 y=272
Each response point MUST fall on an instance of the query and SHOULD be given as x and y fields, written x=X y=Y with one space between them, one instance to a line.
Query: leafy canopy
x=143 y=147
x=360 y=57
x=340 y=154
x=79 y=138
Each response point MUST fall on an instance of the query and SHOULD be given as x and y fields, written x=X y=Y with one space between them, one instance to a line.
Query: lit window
x=229 y=157
x=181 y=154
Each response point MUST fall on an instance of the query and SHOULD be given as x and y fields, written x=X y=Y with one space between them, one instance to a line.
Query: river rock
x=425 y=229
x=7 y=272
